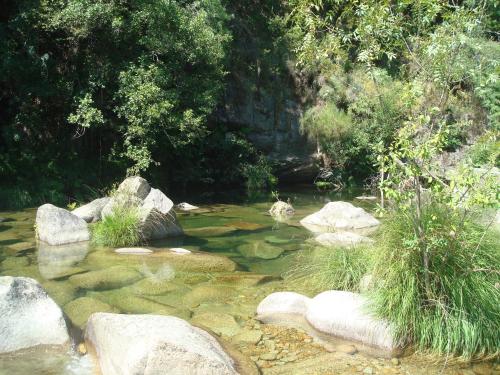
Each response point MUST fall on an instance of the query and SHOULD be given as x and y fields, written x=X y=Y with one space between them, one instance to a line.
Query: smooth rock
x=341 y=239
x=347 y=349
x=134 y=186
x=59 y=261
x=80 y=309
x=57 y=226
x=260 y=249
x=155 y=225
x=109 y=278
x=91 y=212
x=186 y=206
x=179 y=250
x=133 y=304
x=281 y=209
x=339 y=215
x=340 y=313
x=151 y=344
x=60 y=291
x=245 y=225
x=210 y=231
x=29 y=317
x=245 y=279
x=219 y=323
x=15 y=262
x=133 y=250
x=153 y=286
x=282 y=303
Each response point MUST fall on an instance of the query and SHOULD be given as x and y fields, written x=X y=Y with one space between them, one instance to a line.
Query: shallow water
x=155 y=284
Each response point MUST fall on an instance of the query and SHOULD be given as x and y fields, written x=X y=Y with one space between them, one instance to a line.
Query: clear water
x=151 y=283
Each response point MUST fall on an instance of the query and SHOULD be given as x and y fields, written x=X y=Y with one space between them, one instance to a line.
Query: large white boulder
x=57 y=226
x=28 y=316
x=335 y=216
x=341 y=239
x=91 y=212
x=154 y=344
x=343 y=314
x=282 y=303
x=337 y=313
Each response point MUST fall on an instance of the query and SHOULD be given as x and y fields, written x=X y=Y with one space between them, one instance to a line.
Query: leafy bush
x=121 y=228
x=486 y=151
x=322 y=268
x=259 y=176
x=456 y=311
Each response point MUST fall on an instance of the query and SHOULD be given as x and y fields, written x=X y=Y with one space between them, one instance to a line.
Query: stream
x=141 y=284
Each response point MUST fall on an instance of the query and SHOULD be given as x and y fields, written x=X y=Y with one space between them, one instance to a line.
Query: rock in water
x=339 y=215
x=282 y=303
x=91 y=212
x=134 y=186
x=281 y=209
x=186 y=206
x=342 y=314
x=29 y=317
x=57 y=226
x=153 y=344
x=158 y=217
x=342 y=239
x=260 y=249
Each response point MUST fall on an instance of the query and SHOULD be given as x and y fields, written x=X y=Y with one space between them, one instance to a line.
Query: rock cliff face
x=271 y=118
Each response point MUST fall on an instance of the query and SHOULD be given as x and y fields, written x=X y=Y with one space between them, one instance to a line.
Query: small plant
x=121 y=228
x=71 y=206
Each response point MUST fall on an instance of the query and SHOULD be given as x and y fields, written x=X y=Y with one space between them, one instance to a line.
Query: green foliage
x=259 y=176
x=486 y=151
x=318 y=268
x=121 y=228
x=457 y=311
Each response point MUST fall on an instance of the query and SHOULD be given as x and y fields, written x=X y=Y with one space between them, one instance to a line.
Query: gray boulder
x=335 y=216
x=154 y=344
x=134 y=186
x=282 y=303
x=158 y=218
x=91 y=212
x=57 y=226
x=29 y=317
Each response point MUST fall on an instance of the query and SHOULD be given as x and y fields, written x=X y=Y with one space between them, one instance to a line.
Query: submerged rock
x=133 y=250
x=108 y=278
x=210 y=231
x=186 y=206
x=208 y=293
x=260 y=249
x=151 y=344
x=341 y=239
x=29 y=317
x=57 y=226
x=80 y=309
x=339 y=215
x=219 y=323
x=91 y=212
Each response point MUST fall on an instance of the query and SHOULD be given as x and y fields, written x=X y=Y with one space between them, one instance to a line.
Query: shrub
x=121 y=228
x=455 y=311
x=259 y=176
x=322 y=268
x=485 y=151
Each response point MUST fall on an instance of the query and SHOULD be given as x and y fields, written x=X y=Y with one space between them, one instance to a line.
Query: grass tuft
x=121 y=228
x=459 y=314
x=320 y=268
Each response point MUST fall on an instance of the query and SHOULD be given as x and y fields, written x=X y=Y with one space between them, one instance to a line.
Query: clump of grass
x=121 y=228
x=320 y=268
x=457 y=311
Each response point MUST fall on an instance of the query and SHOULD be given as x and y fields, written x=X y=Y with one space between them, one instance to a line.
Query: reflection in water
x=59 y=261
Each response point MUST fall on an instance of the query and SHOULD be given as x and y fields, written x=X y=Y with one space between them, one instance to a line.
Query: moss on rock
x=109 y=278
x=80 y=309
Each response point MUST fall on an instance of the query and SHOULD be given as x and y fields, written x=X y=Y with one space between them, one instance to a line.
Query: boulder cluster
x=157 y=218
